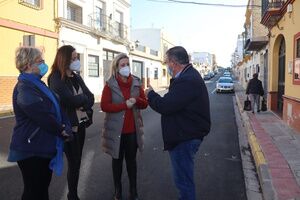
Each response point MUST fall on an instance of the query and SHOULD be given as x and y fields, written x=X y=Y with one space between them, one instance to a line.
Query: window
x=155 y=73
x=36 y=4
x=109 y=55
x=296 y=70
x=164 y=72
x=99 y=18
x=29 y=40
x=93 y=66
x=74 y=13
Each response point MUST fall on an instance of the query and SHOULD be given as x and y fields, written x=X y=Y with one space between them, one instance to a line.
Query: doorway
x=281 y=77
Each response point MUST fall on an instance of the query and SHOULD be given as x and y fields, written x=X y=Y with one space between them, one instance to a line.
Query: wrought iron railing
x=106 y=25
x=269 y=5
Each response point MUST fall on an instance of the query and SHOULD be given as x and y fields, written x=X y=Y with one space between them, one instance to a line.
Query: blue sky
x=196 y=27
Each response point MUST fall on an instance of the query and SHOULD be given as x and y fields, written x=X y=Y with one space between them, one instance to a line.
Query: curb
x=6 y=113
x=264 y=176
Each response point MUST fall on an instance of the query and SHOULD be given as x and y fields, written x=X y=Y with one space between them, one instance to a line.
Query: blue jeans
x=182 y=159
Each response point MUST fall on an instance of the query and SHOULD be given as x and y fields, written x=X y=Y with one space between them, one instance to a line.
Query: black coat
x=185 y=112
x=69 y=101
x=255 y=87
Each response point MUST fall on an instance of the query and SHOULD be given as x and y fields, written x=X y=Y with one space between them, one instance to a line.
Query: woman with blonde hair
x=36 y=143
x=122 y=98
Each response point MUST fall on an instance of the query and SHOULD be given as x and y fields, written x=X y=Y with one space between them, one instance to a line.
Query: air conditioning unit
x=289 y=8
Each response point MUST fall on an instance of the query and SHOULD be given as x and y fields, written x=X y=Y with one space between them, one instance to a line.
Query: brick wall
x=291 y=112
x=7 y=84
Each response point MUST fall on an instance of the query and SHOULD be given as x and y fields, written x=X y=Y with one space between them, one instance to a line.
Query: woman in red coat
x=122 y=99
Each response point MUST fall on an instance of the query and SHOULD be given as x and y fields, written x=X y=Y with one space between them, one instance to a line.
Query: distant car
x=225 y=84
x=206 y=77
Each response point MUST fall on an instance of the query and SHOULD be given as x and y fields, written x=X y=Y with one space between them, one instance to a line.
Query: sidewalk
x=276 y=151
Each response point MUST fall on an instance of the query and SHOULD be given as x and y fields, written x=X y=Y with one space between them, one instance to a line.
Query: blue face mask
x=43 y=69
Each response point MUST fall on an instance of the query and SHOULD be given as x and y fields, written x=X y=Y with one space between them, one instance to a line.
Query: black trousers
x=73 y=151
x=36 y=178
x=128 y=149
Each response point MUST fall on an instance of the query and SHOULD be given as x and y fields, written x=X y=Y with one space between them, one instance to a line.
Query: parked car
x=225 y=84
x=206 y=77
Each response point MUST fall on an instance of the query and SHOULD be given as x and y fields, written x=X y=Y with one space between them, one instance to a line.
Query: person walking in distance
x=77 y=100
x=185 y=118
x=255 y=90
x=40 y=127
x=122 y=99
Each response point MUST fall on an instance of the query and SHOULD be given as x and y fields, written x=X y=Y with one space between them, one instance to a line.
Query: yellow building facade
x=283 y=20
x=24 y=23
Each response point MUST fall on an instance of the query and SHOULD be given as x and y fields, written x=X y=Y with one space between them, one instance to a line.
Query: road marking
x=4 y=163
x=214 y=91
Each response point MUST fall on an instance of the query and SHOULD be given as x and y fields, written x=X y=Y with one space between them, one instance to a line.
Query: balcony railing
x=103 y=24
x=271 y=11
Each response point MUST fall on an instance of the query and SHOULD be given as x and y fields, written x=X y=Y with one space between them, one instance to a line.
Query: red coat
x=108 y=106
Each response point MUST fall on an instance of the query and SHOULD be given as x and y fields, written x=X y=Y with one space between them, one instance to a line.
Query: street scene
x=150 y=99
x=218 y=165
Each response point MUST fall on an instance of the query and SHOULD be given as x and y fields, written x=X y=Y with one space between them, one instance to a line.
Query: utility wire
x=204 y=4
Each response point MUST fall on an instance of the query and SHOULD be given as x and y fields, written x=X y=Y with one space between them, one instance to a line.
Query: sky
x=198 y=28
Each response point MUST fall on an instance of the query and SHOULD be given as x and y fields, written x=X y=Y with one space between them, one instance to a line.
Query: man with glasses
x=185 y=117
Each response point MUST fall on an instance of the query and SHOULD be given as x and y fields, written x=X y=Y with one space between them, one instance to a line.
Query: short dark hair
x=178 y=54
x=255 y=75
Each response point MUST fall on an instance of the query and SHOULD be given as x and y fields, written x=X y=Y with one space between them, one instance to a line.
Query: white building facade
x=99 y=30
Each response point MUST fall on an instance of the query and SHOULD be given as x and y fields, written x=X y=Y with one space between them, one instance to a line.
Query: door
x=266 y=73
x=137 y=70
x=281 y=77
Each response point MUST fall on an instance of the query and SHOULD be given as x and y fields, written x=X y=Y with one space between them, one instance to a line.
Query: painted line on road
x=4 y=163
x=214 y=91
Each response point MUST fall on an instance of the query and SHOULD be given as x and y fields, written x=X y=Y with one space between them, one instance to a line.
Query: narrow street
x=218 y=170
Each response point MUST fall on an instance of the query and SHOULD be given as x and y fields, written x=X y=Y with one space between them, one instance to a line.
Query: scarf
x=56 y=163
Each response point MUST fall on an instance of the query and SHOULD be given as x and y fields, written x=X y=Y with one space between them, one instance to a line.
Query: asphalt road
x=218 y=167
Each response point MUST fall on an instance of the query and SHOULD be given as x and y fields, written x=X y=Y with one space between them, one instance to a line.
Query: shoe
x=258 y=111
x=253 y=112
x=118 y=193
x=133 y=197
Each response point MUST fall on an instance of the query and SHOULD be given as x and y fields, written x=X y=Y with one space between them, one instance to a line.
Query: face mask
x=124 y=71
x=170 y=71
x=43 y=69
x=75 y=66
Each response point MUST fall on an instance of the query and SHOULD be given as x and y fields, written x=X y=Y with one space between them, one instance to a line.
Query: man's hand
x=148 y=90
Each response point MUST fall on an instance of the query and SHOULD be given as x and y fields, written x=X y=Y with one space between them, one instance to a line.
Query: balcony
x=256 y=44
x=271 y=12
x=102 y=25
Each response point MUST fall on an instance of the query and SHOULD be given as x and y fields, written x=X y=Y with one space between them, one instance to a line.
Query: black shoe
x=253 y=112
x=258 y=111
x=118 y=193
x=133 y=197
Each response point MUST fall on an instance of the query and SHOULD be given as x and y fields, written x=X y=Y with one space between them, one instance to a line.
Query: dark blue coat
x=36 y=124
x=185 y=112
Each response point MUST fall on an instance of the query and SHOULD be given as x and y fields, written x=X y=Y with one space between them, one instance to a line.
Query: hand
x=66 y=136
x=129 y=103
x=133 y=100
x=148 y=90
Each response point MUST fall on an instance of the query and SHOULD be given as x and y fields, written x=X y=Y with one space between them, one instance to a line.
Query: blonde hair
x=26 y=55
x=115 y=63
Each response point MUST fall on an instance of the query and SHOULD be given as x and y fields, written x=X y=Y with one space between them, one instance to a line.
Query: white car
x=225 y=84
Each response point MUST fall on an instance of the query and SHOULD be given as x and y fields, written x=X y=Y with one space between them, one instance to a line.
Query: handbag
x=263 y=105
x=247 y=104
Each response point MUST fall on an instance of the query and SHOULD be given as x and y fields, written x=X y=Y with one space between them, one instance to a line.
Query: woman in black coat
x=77 y=101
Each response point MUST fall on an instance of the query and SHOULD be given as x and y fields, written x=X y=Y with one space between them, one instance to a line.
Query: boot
x=118 y=192
x=133 y=194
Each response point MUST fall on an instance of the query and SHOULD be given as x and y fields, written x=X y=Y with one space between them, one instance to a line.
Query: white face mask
x=124 y=71
x=75 y=66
